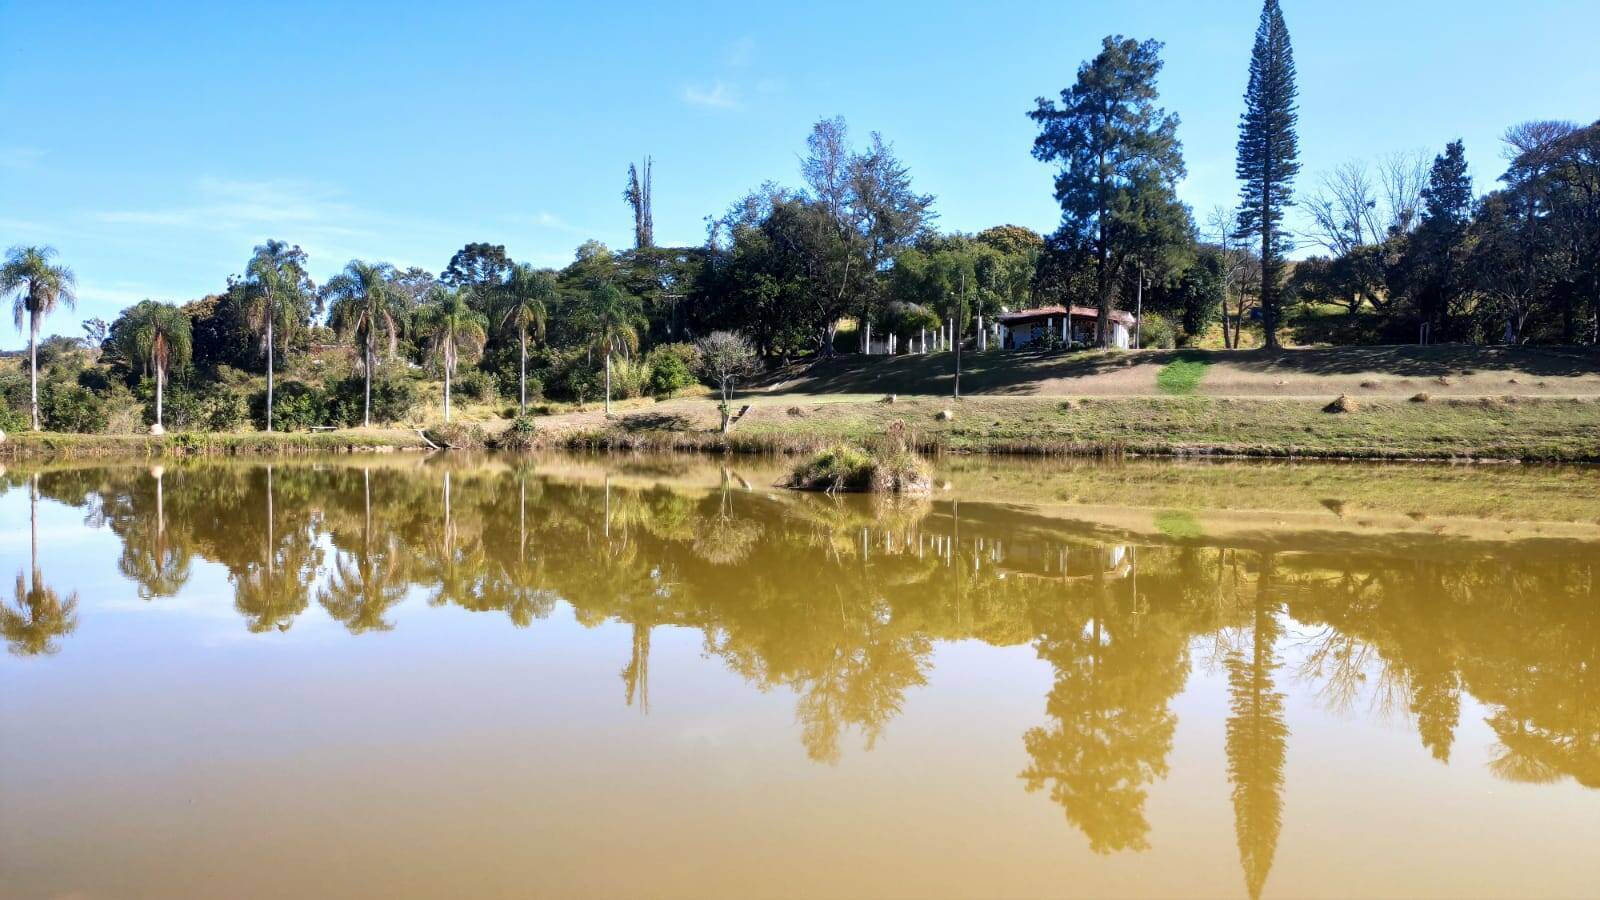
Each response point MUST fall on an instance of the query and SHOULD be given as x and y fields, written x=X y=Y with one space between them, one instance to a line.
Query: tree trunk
x=269 y=370
x=366 y=410
x=161 y=380
x=608 y=383
x=725 y=409
x=522 y=372
x=448 y=372
x=33 y=366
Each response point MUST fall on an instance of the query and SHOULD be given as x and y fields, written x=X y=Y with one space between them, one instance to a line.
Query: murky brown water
x=665 y=678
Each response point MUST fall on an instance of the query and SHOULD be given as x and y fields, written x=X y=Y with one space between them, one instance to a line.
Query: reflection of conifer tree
x=1257 y=740
x=365 y=582
x=1116 y=673
x=40 y=615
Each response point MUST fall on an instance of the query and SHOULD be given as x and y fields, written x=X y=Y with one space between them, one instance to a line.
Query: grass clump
x=840 y=467
x=1182 y=376
x=523 y=434
x=890 y=466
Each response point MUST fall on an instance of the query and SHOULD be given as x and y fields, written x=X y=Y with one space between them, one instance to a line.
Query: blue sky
x=155 y=147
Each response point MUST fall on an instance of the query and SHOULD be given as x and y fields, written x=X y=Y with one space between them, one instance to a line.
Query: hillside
x=1391 y=371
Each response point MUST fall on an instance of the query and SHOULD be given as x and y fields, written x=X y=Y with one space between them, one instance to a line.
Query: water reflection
x=841 y=603
x=39 y=615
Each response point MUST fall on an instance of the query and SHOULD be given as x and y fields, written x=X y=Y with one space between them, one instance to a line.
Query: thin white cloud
x=720 y=95
x=233 y=204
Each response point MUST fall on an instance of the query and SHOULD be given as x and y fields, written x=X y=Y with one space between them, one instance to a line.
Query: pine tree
x=1120 y=163
x=1269 y=158
x=1436 y=250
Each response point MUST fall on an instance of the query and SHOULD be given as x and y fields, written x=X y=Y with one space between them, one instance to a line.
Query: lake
x=662 y=676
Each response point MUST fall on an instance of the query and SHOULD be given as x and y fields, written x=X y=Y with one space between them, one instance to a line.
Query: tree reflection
x=1116 y=672
x=1257 y=738
x=38 y=615
x=271 y=592
x=366 y=582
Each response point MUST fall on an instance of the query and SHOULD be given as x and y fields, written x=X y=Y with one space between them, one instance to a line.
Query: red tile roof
x=1047 y=312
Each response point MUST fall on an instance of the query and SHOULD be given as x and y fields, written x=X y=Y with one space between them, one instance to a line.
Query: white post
x=866 y=345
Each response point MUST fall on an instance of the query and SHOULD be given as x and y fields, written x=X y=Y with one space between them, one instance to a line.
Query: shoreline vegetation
x=1483 y=429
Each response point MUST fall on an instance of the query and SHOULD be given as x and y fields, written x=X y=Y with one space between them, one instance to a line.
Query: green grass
x=1182 y=375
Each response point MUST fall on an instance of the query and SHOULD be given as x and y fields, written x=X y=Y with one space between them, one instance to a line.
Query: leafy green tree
x=278 y=286
x=476 y=266
x=160 y=338
x=37 y=287
x=453 y=328
x=1268 y=159
x=365 y=304
x=529 y=292
x=1120 y=163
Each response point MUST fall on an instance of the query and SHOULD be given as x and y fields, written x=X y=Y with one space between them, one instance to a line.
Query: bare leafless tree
x=637 y=193
x=1401 y=177
x=1239 y=267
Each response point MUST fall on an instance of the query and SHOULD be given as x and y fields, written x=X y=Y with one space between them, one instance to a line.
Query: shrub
x=11 y=420
x=629 y=378
x=457 y=436
x=393 y=396
x=891 y=466
x=672 y=368
x=207 y=407
x=522 y=435
x=69 y=406
x=475 y=384
x=1156 y=332
x=296 y=406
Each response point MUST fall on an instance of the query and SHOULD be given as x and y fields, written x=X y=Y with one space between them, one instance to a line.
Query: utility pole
x=1138 y=315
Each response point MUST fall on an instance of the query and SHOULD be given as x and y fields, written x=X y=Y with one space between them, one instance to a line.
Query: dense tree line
x=849 y=259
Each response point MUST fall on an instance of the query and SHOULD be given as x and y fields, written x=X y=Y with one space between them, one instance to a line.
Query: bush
x=1156 y=333
x=296 y=406
x=457 y=436
x=629 y=378
x=12 y=421
x=522 y=435
x=475 y=384
x=69 y=406
x=672 y=368
x=393 y=397
x=208 y=407
x=891 y=466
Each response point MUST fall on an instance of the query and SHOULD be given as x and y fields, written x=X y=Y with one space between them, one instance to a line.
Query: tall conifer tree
x=1269 y=158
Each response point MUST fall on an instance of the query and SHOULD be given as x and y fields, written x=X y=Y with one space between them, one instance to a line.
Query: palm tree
x=528 y=291
x=277 y=281
x=38 y=287
x=453 y=326
x=609 y=317
x=366 y=303
x=160 y=338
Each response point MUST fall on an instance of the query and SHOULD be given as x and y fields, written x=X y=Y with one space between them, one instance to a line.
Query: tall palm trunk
x=522 y=370
x=161 y=380
x=269 y=364
x=449 y=373
x=366 y=410
x=608 y=381
x=33 y=365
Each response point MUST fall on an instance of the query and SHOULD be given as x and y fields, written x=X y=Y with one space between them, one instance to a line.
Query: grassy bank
x=1564 y=430
x=30 y=445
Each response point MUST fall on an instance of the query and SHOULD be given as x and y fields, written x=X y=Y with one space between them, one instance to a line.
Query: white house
x=1075 y=325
